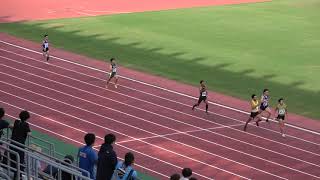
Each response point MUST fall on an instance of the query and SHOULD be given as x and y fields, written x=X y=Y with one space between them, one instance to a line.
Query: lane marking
x=154 y=86
x=150 y=95
x=169 y=109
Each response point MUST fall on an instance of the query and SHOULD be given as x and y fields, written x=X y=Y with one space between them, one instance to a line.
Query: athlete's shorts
x=113 y=74
x=280 y=117
x=45 y=49
x=254 y=114
x=202 y=98
x=263 y=107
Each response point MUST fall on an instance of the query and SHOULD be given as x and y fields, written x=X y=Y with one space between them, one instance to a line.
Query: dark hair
x=175 y=177
x=109 y=138
x=280 y=99
x=201 y=81
x=253 y=95
x=265 y=90
x=186 y=172
x=45 y=35
x=112 y=59
x=192 y=178
x=2 y=112
x=24 y=116
x=128 y=159
x=89 y=139
x=69 y=159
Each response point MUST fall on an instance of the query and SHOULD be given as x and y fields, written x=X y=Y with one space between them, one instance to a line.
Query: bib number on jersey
x=204 y=93
x=282 y=111
x=114 y=70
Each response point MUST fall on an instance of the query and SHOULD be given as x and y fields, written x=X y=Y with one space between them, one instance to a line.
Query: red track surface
x=15 y=10
x=67 y=100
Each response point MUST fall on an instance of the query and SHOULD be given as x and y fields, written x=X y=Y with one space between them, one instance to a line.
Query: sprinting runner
x=254 y=110
x=264 y=106
x=281 y=111
x=45 y=48
x=203 y=96
x=113 y=73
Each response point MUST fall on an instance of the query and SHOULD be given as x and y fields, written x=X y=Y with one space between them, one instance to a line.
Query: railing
x=32 y=158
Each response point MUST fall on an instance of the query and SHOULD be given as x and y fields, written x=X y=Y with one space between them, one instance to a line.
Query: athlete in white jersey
x=113 y=73
x=45 y=48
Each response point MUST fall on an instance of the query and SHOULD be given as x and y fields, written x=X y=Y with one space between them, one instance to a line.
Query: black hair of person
x=109 y=139
x=24 y=116
x=89 y=139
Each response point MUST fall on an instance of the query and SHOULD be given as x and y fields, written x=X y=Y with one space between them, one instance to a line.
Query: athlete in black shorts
x=45 y=48
x=113 y=73
x=254 y=110
x=203 y=96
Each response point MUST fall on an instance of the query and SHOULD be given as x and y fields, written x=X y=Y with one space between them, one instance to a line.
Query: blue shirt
x=127 y=169
x=87 y=160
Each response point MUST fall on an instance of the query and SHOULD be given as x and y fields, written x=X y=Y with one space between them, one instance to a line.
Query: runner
x=203 y=96
x=281 y=111
x=45 y=48
x=254 y=111
x=264 y=106
x=113 y=73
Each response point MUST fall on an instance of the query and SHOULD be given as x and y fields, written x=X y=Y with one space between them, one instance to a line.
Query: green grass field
x=238 y=49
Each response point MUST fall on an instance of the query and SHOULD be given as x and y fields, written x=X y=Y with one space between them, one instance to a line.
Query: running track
x=68 y=100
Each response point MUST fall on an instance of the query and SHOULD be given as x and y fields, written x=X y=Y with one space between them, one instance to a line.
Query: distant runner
x=264 y=105
x=113 y=73
x=203 y=96
x=281 y=111
x=45 y=48
x=254 y=110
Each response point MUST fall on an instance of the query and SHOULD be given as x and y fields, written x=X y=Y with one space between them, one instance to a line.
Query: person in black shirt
x=20 y=132
x=203 y=96
x=3 y=123
x=107 y=159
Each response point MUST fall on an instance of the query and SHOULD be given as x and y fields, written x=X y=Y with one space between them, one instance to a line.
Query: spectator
x=124 y=170
x=175 y=177
x=68 y=159
x=186 y=174
x=34 y=163
x=193 y=178
x=20 y=132
x=87 y=156
x=3 y=123
x=107 y=158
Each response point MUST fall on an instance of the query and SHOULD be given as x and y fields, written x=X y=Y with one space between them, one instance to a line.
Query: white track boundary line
x=154 y=95
x=154 y=86
x=156 y=146
x=78 y=142
x=165 y=107
x=139 y=139
x=178 y=132
x=168 y=139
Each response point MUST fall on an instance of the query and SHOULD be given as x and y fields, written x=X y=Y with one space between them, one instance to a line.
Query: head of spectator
x=89 y=139
x=69 y=159
x=24 y=116
x=109 y=139
x=175 y=177
x=193 y=178
x=186 y=172
x=129 y=159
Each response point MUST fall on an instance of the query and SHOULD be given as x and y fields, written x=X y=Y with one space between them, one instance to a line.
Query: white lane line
x=178 y=132
x=273 y=131
x=316 y=154
x=111 y=130
x=188 y=145
x=154 y=86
